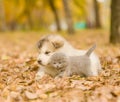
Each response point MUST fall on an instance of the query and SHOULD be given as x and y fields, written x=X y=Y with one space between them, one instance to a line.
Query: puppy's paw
x=39 y=75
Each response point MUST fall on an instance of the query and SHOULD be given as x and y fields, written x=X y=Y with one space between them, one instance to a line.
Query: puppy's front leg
x=40 y=74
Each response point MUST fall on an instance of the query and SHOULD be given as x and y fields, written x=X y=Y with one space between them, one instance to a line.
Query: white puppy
x=50 y=44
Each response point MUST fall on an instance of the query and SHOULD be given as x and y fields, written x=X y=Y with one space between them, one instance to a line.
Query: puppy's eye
x=47 y=52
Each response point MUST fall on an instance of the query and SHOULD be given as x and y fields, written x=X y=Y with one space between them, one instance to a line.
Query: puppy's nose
x=39 y=61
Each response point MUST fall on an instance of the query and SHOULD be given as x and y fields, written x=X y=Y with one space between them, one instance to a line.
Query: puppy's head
x=47 y=46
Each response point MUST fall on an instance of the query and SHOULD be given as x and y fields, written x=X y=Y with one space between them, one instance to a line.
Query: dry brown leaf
x=30 y=95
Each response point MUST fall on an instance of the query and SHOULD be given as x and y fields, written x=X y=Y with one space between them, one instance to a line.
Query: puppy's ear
x=57 y=43
x=40 y=43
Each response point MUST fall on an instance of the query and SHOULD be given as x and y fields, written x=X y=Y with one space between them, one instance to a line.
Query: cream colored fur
x=56 y=43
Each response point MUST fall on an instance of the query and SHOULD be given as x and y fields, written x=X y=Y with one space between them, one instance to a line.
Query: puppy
x=67 y=66
x=50 y=44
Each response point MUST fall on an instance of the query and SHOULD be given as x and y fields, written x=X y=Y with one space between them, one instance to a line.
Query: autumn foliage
x=18 y=67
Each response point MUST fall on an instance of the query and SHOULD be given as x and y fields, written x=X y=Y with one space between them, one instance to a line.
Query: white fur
x=68 y=50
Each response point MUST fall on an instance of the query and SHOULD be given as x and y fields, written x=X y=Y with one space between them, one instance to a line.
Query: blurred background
x=61 y=15
x=53 y=14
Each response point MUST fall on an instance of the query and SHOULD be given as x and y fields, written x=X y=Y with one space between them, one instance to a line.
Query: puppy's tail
x=88 y=53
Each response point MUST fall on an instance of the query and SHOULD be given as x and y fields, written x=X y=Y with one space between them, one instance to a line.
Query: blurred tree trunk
x=29 y=6
x=68 y=16
x=90 y=14
x=52 y=5
x=30 y=22
x=2 y=16
x=97 y=14
x=115 y=22
x=12 y=25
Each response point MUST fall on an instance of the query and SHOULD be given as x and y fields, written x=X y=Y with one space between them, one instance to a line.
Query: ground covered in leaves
x=18 y=67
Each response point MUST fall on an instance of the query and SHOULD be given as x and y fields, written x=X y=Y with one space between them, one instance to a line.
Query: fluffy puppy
x=50 y=44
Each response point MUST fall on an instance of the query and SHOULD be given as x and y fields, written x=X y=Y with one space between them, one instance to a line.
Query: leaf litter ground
x=18 y=67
